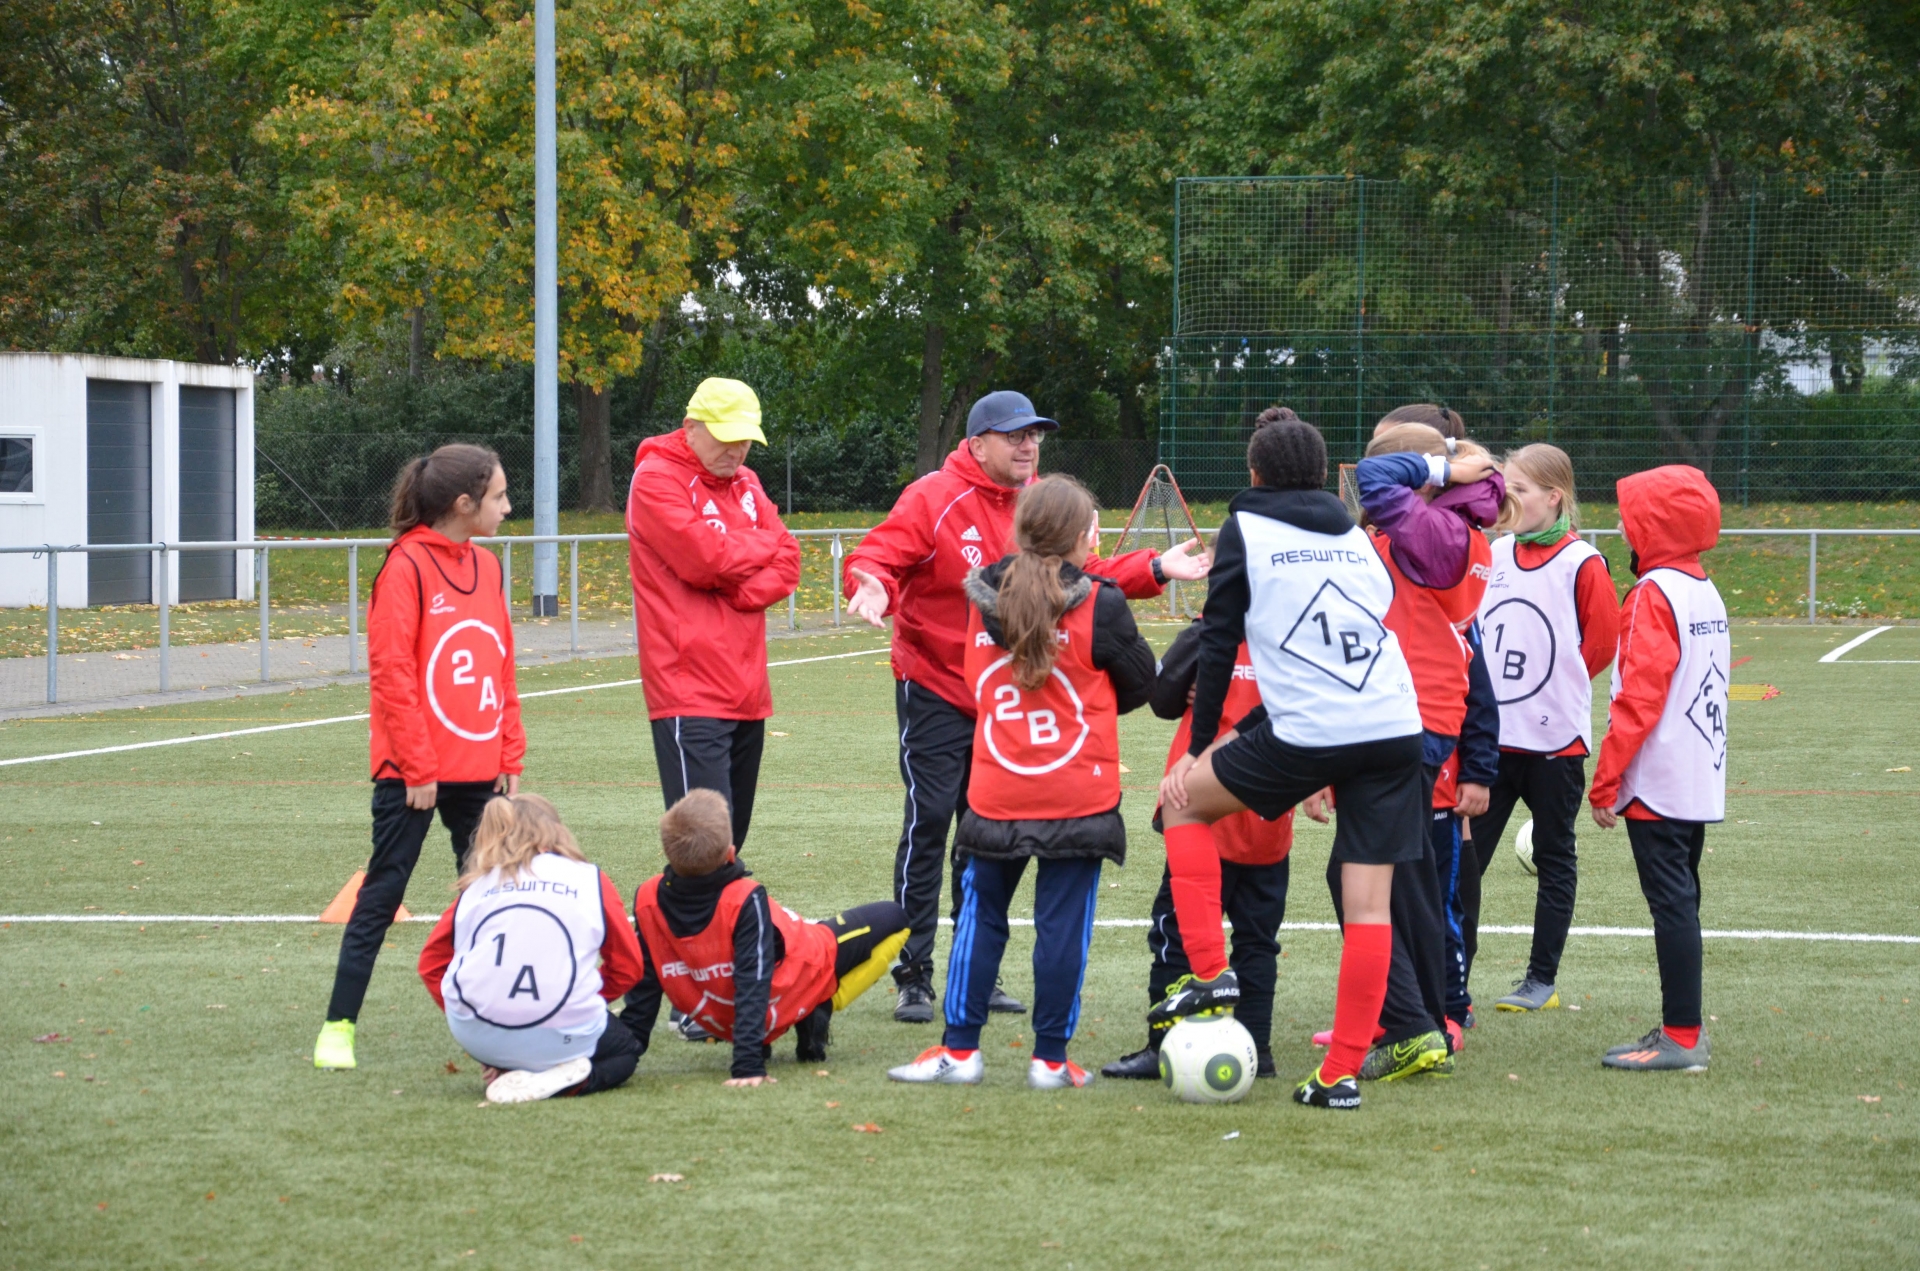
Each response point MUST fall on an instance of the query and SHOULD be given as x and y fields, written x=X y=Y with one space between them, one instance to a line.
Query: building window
x=16 y=465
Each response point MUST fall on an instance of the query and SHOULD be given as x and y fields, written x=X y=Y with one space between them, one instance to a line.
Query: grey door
x=206 y=491
x=119 y=490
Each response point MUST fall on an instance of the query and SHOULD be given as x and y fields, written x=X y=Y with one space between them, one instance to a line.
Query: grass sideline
x=190 y=1129
x=1760 y=578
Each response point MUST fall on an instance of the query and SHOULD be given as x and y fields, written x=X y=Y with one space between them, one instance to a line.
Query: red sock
x=1364 y=957
x=1688 y=1037
x=1194 y=864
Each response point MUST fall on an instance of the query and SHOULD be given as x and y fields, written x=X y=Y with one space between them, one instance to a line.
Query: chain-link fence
x=338 y=481
x=1766 y=331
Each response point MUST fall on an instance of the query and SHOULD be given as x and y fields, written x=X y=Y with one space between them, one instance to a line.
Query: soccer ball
x=1523 y=847
x=1208 y=1059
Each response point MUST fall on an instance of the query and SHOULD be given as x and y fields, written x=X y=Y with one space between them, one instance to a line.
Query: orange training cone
x=341 y=908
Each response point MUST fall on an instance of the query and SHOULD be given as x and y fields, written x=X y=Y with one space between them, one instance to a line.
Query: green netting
x=1767 y=332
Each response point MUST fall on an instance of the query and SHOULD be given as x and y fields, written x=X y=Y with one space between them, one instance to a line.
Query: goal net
x=1350 y=491
x=1161 y=519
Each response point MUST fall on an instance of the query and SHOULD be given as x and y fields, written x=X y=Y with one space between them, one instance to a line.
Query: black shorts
x=1378 y=789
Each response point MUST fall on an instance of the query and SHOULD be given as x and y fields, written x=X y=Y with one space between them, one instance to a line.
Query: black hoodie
x=1224 y=617
x=1124 y=654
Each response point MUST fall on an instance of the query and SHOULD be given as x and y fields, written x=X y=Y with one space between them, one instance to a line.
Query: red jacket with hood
x=708 y=556
x=943 y=526
x=1670 y=516
x=444 y=706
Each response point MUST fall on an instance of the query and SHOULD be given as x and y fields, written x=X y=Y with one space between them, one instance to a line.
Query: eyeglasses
x=1021 y=438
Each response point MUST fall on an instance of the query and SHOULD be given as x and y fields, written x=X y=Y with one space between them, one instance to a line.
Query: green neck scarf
x=1549 y=536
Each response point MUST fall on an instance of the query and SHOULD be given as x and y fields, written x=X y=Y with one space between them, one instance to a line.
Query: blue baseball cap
x=1005 y=411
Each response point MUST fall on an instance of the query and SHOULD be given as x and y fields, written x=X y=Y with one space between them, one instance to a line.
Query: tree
x=138 y=212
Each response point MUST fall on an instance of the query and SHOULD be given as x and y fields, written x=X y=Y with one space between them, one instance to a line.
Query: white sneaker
x=938 y=1064
x=1065 y=1075
x=522 y=1086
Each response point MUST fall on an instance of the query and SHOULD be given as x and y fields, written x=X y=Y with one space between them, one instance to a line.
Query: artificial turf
x=186 y=1126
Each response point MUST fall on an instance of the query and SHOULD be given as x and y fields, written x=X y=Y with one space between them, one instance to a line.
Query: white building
x=123 y=450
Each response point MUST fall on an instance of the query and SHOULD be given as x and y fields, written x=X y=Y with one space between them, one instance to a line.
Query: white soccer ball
x=1523 y=847
x=1208 y=1059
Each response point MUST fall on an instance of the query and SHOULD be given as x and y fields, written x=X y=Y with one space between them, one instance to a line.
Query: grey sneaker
x=915 y=1003
x=1529 y=995
x=1657 y=1052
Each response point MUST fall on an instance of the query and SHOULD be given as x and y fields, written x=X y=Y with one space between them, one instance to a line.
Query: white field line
x=1642 y=933
x=1834 y=655
x=348 y=719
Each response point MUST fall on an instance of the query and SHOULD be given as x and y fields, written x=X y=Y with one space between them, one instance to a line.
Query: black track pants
x=398 y=833
x=1667 y=854
x=1552 y=789
x=936 y=754
x=696 y=753
x=1254 y=899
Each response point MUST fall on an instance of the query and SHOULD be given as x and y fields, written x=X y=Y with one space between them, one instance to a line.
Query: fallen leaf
x=101 y=1205
x=216 y=1006
x=52 y=1037
x=1901 y=768
x=576 y=1239
x=833 y=1103
x=1573 y=1006
x=1049 y=1244
x=1513 y=1076
x=209 y=1195
x=867 y=1128
x=59 y=1074
x=1869 y=1098
x=452 y=1067
x=821 y=1072
x=667 y=1178
x=773 y=734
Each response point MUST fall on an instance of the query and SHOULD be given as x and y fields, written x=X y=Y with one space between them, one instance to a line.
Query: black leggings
x=614 y=1059
x=398 y=833
x=1667 y=856
x=1254 y=899
x=1551 y=788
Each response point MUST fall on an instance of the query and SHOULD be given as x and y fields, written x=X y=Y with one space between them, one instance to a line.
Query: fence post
x=793 y=597
x=1750 y=335
x=264 y=572
x=1360 y=328
x=1553 y=294
x=353 y=609
x=53 y=624
x=166 y=595
x=838 y=550
x=506 y=578
x=1813 y=574
x=573 y=594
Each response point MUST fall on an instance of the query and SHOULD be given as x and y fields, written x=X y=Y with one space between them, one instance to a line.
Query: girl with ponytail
x=445 y=726
x=1053 y=659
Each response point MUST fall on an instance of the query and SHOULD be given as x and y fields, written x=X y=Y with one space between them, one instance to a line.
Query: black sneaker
x=1188 y=996
x=1141 y=1065
x=689 y=1030
x=915 y=1004
x=1001 y=1002
x=1342 y=1096
x=1264 y=1067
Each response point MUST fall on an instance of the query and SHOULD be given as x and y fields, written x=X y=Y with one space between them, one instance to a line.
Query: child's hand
x=1468 y=469
x=1605 y=818
x=737 y=1082
x=1318 y=805
x=1471 y=799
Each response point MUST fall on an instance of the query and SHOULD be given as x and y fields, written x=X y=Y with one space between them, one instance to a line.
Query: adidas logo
x=972 y=535
x=709 y=510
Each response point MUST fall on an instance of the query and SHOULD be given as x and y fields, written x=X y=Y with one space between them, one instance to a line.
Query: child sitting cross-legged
x=527 y=959
x=745 y=968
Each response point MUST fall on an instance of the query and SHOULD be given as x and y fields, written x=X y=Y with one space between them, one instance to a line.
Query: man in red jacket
x=914 y=565
x=708 y=555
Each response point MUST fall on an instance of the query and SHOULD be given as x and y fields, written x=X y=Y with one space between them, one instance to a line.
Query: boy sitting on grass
x=745 y=968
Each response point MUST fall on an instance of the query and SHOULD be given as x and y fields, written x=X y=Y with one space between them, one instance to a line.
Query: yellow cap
x=729 y=410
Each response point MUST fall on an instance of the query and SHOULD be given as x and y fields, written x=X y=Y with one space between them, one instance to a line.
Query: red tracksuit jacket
x=942 y=526
x=708 y=557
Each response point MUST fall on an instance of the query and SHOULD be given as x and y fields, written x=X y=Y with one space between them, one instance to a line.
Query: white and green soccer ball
x=1208 y=1059
x=1523 y=847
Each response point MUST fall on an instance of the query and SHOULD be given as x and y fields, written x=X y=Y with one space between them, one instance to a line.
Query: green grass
x=205 y=1138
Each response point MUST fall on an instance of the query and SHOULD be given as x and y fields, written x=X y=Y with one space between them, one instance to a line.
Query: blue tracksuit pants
x=1064 y=894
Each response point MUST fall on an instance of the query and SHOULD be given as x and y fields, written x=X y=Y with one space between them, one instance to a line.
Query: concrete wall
x=44 y=396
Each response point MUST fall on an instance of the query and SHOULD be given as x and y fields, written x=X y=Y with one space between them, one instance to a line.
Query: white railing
x=263 y=549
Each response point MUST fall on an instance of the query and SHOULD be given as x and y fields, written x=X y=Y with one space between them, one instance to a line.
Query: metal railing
x=263 y=550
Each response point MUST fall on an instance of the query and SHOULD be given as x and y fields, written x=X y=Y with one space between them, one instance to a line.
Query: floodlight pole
x=546 y=322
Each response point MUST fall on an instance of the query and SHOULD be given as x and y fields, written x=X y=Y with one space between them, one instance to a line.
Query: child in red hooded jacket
x=1663 y=761
x=445 y=713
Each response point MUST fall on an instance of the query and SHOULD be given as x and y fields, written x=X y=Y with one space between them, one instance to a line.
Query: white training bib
x=1681 y=770
x=1530 y=637
x=527 y=950
x=1329 y=671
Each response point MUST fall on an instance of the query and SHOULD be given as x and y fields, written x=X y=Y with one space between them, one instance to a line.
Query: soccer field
x=177 y=1119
